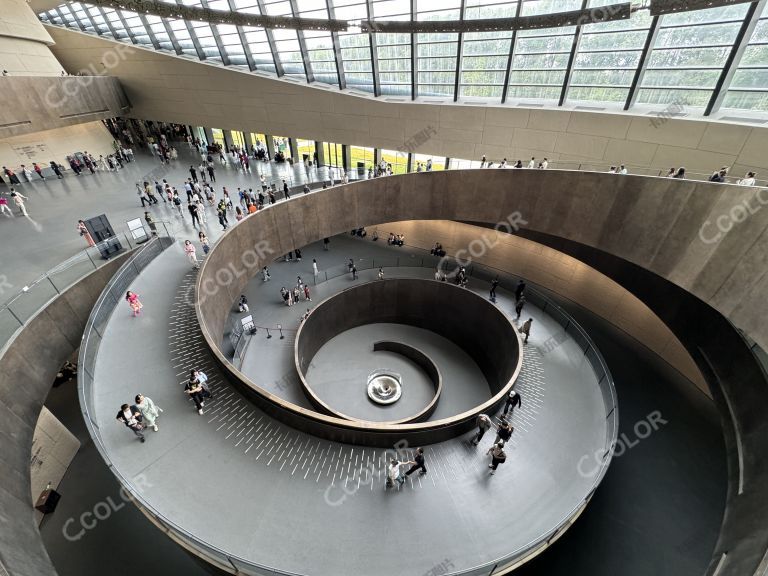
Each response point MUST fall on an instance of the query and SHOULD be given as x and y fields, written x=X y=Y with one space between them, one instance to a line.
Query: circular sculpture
x=385 y=387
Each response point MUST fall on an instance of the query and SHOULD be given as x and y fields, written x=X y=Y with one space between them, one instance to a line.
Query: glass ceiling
x=674 y=60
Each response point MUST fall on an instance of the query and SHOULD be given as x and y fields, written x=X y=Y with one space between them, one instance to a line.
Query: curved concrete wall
x=27 y=370
x=174 y=89
x=646 y=233
x=471 y=322
x=558 y=272
x=655 y=223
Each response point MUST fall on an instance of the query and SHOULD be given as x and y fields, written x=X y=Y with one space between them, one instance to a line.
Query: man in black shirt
x=417 y=463
x=494 y=285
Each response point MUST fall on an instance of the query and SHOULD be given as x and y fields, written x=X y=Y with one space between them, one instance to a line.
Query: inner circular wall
x=467 y=320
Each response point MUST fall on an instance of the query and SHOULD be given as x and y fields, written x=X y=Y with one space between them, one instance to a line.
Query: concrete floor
x=457 y=508
x=658 y=511
x=49 y=236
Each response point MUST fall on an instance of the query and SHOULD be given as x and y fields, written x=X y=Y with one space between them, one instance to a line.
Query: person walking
x=177 y=203
x=221 y=212
x=395 y=473
x=194 y=390
x=148 y=189
x=285 y=190
x=306 y=293
x=513 y=401
x=133 y=302
x=18 y=199
x=381 y=274
x=326 y=241
x=494 y=285
x=265 y=274
x=149 y=411
x=193 y=173
x=519 y=307
x=12 y=178
x=504 y=431
x=519 y=290
x=83 y=231
x=4 y=206
x=36 y=168
x=191 y=252
x=27 y=173
x=203 y=379
x=242 y=304
x=150 y=223
x=526 y=329
x=204 y=242
x=498 y=456
x=56 y=169
x=354 y=272
x=142 y=193
x=159 y=189
x=483 y=425
x=417 y=463
x=315 y=271
x=211 y=172
x=194 y=211
x=131 y=417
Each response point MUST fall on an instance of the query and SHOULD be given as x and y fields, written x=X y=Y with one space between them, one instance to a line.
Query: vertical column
x=248 y=139
x=227 y=138
x=270 y=145
x=208 y=134
x=320 y=153
x=293 y=147
x=347 y=157
x=377 y=157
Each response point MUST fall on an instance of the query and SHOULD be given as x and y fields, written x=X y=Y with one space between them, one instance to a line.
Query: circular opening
x=385 y=387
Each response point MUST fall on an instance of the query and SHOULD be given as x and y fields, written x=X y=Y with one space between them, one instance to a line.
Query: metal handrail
x=237 y=563
x=48 y=287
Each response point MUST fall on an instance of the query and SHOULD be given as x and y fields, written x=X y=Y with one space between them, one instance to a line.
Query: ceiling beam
x=374 y=53
x=459 y=50
x=303 y=46
x=637 y=80
x=505 y=88
x=659 y=7
x=571 y=59
x=584 y=16
x=150 y=32
x=244 y=41
x=181 y=12
x=414 y=55
x=337 y=49
x=217 y=37
x=271 y=41
x=751 y=19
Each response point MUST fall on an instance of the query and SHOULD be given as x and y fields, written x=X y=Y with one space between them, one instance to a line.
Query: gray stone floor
x=31 y=246
x=339 y=371
x=457 y=508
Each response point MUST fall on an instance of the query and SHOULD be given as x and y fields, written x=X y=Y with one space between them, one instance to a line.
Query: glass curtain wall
x=398 y=160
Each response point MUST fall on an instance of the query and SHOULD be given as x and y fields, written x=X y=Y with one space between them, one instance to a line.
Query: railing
x=570 y=328
x=113 y=295
x=33 y=297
